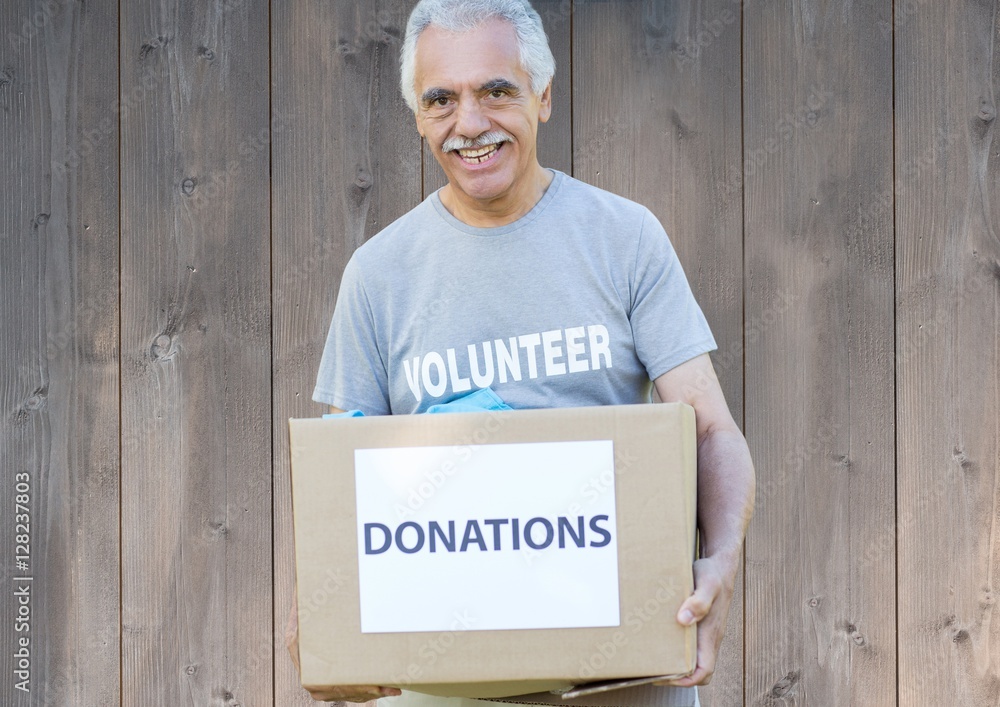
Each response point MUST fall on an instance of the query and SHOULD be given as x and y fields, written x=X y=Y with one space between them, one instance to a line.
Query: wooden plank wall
x=948 y=361
x=195 y=353
x=178 y=206
x=819 y=268
x=59 y=363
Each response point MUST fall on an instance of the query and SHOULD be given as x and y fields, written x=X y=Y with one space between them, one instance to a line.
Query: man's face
x=472 y=91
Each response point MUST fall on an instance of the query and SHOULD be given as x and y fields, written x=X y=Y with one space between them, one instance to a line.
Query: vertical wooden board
x=948 y=356
x=657 y=119
x=346 y=159
x=196 y=362
x=819 y=377
x=555 y=138
x=58 y=343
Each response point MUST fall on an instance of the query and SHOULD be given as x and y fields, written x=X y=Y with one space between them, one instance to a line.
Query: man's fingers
x=701 y=676
x=707 y=585
x=354 y=693
x=696 y=607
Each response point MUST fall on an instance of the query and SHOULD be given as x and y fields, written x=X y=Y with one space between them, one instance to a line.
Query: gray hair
x=464 y=15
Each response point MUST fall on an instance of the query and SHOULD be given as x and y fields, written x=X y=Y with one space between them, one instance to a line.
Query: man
x=519 y=278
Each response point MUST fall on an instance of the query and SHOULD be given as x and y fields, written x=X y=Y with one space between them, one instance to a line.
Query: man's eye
x=441 y=101
x=497 y=93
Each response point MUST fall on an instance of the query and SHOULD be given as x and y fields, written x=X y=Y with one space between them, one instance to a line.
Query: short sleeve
x=668 y=326
x=352 y=373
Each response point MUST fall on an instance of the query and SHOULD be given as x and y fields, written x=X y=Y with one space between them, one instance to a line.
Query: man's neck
x=502 y=210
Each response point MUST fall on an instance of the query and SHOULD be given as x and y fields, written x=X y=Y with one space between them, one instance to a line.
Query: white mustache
x=490 y=138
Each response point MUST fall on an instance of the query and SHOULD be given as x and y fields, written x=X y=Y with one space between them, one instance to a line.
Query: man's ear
x=420 y=124
x=545 y=109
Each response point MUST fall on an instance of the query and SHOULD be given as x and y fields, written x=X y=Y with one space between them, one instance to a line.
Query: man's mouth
x=478 y=155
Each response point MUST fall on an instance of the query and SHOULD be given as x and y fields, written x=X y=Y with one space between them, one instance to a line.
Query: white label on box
x=487 y=537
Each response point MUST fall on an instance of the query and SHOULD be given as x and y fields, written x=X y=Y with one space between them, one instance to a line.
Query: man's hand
x=708 y=606
x=345 y=693
x=725 y=504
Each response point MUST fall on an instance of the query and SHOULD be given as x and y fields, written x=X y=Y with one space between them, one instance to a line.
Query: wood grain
x=947 y=354
x=196 y=363
x=346 y=164
x=819 y=367
x=657 y=119
x=555 y=138
x=59 y=298
x=58 y=344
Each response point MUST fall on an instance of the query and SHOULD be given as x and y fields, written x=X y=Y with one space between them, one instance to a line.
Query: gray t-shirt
x=582 y=301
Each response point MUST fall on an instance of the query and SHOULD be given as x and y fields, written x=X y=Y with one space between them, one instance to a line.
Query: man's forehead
x=486 y=53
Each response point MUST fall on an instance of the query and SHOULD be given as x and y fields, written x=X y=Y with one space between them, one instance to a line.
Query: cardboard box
x=495 y=554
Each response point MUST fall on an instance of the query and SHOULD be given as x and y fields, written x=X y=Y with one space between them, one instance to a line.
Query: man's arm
x=725 y=504
x=347 y=693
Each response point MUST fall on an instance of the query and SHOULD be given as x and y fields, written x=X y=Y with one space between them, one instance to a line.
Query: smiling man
x=519 y=278
x=479 y=109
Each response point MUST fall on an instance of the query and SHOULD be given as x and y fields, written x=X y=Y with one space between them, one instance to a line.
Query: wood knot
x=41 y=219
x=36 y=401
x=814 y=602
x=944 y=622
x=987 y=112
x=162 y=348
x=363 y=180
x=206 y=53
x=684 y=130
x=6 y=77
x=785 y=685
x=960 y=636
x=151 y=45
x=388 y=36
x=962 y=459
x=188 y=186
x=852 y=632
x=191 y=669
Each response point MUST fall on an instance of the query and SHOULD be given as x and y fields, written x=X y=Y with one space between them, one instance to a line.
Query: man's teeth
x=479 y=154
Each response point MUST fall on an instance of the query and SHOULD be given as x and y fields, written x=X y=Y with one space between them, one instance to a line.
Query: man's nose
x=471 y=121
